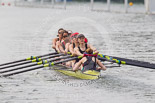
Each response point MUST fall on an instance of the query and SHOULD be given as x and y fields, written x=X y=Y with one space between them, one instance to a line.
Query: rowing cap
x=74 y=34
x=80 y=35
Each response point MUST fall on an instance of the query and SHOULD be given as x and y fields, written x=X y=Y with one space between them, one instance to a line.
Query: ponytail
x=89 y=51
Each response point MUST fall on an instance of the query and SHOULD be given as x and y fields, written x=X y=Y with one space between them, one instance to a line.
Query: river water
x=28 y=32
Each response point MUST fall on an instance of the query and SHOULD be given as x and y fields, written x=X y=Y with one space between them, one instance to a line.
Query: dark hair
x=64 y=31
x=80 y=35
x=89 y=51
x=60 y=29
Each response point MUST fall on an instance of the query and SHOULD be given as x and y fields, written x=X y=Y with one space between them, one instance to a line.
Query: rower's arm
x=77 y=65
x=61 y=49
x=54 y=43
x=100 y=64
x=93 y=48
x=77 y=51
x=67 y=47
x=71 y=48
x=57 y=46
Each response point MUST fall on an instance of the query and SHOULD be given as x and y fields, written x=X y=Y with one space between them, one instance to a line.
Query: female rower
x=83 y=46
x=64 y=45
x=69 y=35
x=57 y=39
x=89 y=62
x=74 y=43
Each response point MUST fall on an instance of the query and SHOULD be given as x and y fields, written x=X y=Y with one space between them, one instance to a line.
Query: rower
x=83 y=46
x=69 y=35
x=64 y=45
x=57 y=39
x=89 y=62
x=74 y=42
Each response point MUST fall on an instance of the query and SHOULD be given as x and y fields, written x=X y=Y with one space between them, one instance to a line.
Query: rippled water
x=29 y=31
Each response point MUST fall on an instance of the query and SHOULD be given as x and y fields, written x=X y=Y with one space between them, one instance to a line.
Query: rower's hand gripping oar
x=45 y=65
x=30 y=58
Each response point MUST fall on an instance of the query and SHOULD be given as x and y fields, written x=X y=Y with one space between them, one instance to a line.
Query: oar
x=39 y=63
x=45 y=65
x=127 y=61
x=30 y=58
x=34 y=60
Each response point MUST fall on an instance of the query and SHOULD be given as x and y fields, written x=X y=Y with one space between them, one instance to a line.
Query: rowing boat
x=89 y=74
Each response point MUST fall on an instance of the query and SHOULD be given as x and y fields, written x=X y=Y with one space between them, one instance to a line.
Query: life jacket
x=82 y=52
x=89 y=64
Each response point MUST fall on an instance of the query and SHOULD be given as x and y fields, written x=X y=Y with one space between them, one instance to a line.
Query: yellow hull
x=90 y=74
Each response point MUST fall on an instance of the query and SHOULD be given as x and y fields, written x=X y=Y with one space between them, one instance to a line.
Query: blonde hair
x=89 y=51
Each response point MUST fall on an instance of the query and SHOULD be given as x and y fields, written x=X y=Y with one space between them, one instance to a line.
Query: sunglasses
x=81 y=38
x=60 y=32
x=74 y=36
x=65 y=36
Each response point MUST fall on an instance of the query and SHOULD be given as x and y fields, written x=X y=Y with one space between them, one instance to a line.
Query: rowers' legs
x=73 y=63
x=99 y=68
x=69 y=64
